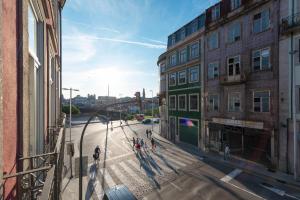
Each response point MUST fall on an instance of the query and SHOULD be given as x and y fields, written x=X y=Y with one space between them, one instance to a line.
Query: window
x=162 y=67
x=201 y=21
x=261 y=59
x=297 y=98
x=234 y=103
x=234 y=66
x=213 y=41
x=183 y=56
x=194 y=102
x=261 y=21
x=213 y=103
x=173 y=40
x=215 y=12
x=194 y=50
x=32 y=31
x=181 y=77
x=182 y=102
x=261 y=101
x=172 y=60
x=172 y=79
x=182 y=33
x=234 y=32
x=194 y=27
x=194 y=74
x=235 y=4
x=213 y=70
x=172 y=102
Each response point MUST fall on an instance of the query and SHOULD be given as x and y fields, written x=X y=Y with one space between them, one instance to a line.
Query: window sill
x=258 y=33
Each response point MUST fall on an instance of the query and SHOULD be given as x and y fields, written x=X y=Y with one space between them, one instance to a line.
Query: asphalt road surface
x=167 y=172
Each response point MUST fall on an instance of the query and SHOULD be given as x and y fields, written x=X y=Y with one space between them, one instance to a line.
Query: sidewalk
x=247 y=166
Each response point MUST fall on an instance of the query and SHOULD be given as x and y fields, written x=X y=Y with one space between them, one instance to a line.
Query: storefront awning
x=239 y=123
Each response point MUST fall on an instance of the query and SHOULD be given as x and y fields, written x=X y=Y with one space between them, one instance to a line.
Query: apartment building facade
x=181 y=84
x=30 y=82
x=245 y=89
x=241 y=77
x=289 y=85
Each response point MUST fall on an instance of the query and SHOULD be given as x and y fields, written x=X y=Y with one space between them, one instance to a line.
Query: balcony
x=290 y=23
x=233 y=80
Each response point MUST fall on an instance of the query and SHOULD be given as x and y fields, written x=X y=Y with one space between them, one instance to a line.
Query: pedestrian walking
x=150 y=132
x=226 y=152
x=145 y=147
x=142 y=143
x=137 y=141
x=152 y=143
x=133 y=141
x=147 y=132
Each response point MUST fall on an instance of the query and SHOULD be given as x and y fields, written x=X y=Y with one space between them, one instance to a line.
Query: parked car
x=139 y=117
x=118 y=192
x=156 y=120
x=146 y=121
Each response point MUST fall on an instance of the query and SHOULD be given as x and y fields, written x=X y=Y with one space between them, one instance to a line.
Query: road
x=168 y=172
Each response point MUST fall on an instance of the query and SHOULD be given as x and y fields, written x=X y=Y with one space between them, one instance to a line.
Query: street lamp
x=80 y=154
x=152 y=108
x=120 y=96
x=70 y=122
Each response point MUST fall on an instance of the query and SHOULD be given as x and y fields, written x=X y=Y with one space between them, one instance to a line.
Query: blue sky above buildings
x=117 y=42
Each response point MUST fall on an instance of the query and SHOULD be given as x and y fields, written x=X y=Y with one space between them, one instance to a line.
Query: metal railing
x=38 y=167
x=290 y=22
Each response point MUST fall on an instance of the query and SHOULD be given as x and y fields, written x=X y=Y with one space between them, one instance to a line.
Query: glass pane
x=237 y=69
x=230 y=70
x=265 y=104
x=257 y=26
x=31 y=30
x=265 y=20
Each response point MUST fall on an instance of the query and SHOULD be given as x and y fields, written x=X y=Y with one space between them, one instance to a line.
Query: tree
x=75 y=110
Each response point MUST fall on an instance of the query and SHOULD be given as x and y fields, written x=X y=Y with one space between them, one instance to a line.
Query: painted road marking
x=108 y=179
x=120 y=175
x=179 y=157
x=133 y=174
x=245 y=190
x=231 y=175
x=278 y=191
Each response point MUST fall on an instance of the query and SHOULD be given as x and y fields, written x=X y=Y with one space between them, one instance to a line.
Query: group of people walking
x=139 y=143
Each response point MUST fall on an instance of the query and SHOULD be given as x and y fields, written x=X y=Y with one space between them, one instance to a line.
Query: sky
x=117 y=42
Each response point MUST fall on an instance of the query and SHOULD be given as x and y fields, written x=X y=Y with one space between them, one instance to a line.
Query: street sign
x=84 y=166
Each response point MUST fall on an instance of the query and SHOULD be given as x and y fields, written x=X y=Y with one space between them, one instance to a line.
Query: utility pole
x=70 y=125
x=152 y=108
x=120 y=95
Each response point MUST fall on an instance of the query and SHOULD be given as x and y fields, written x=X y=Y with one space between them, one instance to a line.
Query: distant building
x=106 y=100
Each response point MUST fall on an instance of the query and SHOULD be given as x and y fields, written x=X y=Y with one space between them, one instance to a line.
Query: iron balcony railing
x=290 y=22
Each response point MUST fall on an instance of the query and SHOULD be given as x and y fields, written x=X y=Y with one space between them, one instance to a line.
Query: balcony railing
x=290 y=23
x=232 y=80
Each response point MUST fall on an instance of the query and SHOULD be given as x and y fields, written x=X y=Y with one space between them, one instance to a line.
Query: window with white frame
x=182 y=102
x=194 y=102
x=181 y=77
x=261 y=21
x=172 y=102
x=194 y=50
x=235 y=4
x=32 y=31
x=215 y=12
x=172 y=59
x=213 y=103
x=213 y=70
x=194 y=74
x=213 y=41
x=233 y=66
x=261 y=101
x=234 y=102
x=172 y=79
x=182 y=56
x=261 y=59
x=234 y=32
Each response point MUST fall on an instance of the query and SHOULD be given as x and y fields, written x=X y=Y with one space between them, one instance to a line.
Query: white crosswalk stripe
x=107 y=178
x=120 y=175
x=166 y=161
x=163 y=165
x=180 y=158
x=175 y=162
x=133 y=174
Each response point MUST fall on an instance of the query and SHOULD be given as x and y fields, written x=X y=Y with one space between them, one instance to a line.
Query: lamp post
x=120 y=96
x=80 y=154
x=70 y=123
x=152 y=108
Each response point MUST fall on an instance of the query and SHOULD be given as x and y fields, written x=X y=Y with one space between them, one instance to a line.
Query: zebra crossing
x=140 y=170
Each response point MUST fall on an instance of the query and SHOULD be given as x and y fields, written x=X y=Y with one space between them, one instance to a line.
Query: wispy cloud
x=156 y=41
x=144 y=44
x=92 y=27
